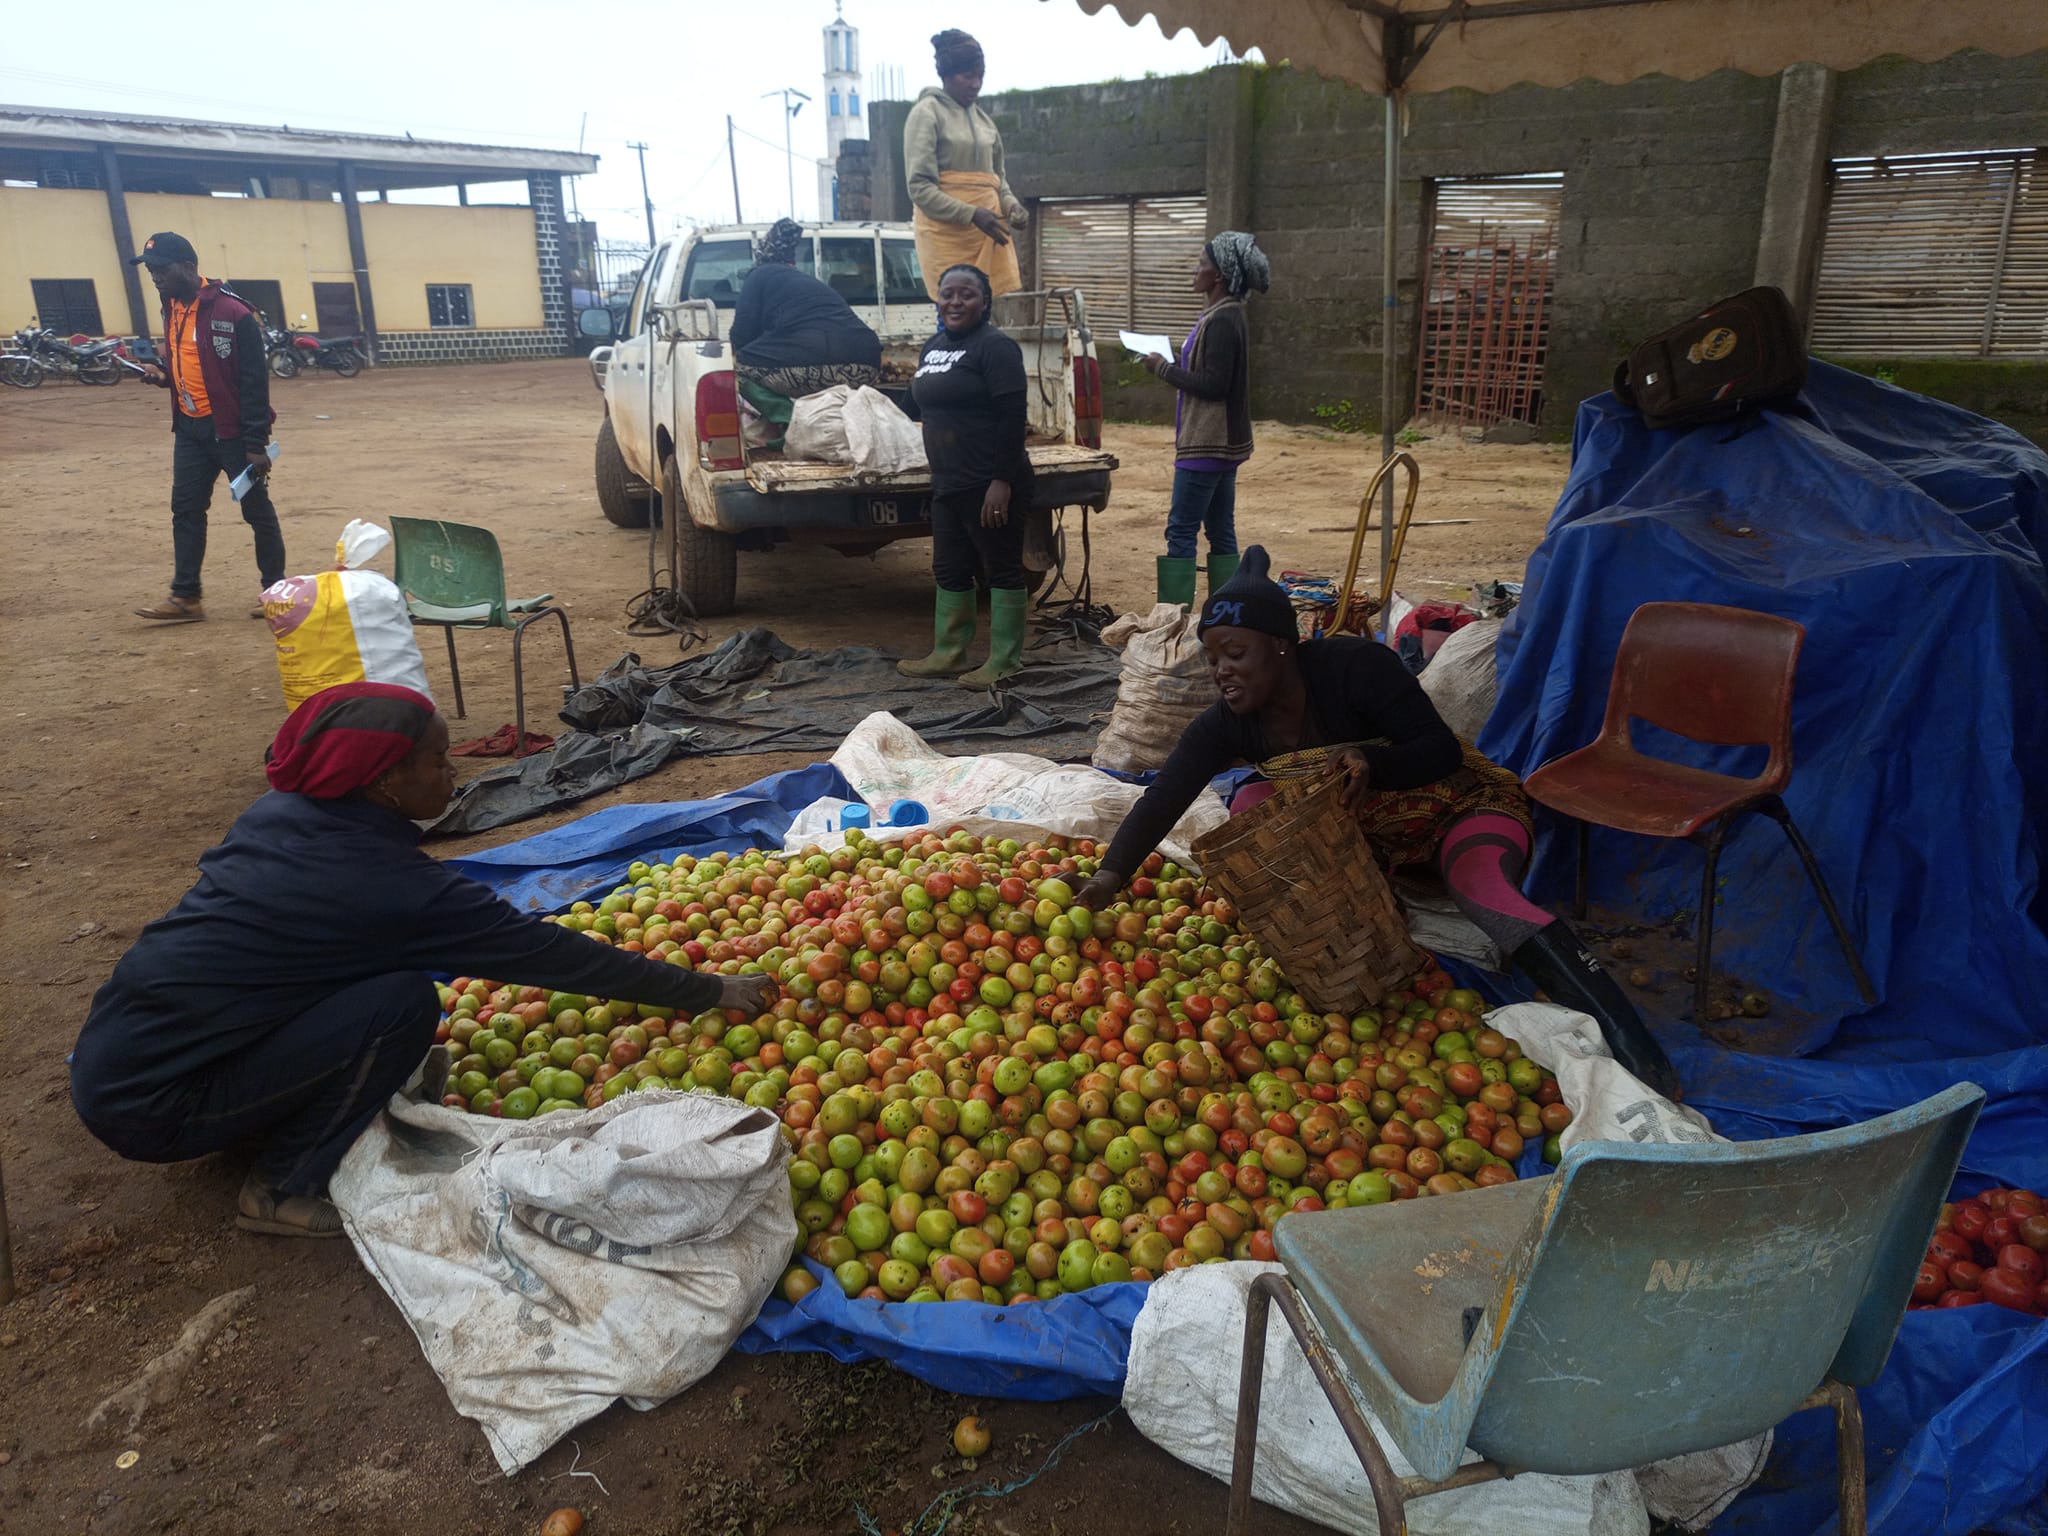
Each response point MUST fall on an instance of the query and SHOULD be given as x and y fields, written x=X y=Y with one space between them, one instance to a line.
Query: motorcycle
x=39 y=353
x=289 y=352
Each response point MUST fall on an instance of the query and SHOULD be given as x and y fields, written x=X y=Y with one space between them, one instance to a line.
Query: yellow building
x=301 y=224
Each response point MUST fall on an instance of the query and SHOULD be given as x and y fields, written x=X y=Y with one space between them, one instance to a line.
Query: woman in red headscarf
x=287 y=996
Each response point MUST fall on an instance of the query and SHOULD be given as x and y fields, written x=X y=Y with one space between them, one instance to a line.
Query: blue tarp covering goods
x=1906 y=536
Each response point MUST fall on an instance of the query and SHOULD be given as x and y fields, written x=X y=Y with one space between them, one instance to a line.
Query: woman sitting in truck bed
x=792 y=335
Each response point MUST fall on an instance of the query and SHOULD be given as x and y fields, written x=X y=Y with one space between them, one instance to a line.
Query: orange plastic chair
x=1711 y=674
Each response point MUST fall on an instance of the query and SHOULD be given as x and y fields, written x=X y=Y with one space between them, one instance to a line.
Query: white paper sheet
x=1139 y=346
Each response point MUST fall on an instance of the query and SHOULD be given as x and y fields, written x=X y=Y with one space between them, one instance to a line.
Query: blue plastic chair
x=1641 y=1302
x=453 y=575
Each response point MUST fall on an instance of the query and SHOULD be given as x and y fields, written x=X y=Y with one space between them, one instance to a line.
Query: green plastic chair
x=453 y=576
x=1644 y=1301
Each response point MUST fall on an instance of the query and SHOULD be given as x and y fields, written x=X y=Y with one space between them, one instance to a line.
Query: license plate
x=889 y=512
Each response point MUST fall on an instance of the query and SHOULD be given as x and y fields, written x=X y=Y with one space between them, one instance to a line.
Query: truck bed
x=797 y=476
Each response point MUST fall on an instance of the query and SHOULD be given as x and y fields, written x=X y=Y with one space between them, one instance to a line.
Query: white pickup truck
x=671 y=435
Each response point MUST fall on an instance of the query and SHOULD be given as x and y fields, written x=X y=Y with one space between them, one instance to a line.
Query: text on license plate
x=888 y=511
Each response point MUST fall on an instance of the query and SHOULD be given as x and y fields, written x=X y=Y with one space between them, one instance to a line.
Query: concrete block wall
x=1664 y=192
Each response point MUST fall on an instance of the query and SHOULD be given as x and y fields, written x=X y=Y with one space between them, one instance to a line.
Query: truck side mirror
x=595 y=324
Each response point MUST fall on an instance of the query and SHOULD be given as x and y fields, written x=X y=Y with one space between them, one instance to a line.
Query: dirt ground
x=131 y=747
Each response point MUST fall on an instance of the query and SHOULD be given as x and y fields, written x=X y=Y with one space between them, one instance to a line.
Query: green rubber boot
x=1177 y=580
x=1221 y=569
x=953 y=632
x=1006 y=607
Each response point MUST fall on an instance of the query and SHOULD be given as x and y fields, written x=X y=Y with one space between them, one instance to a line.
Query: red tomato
x=1959 y=1299
x=1946 y=1247
x=1971 y=1219
x=2021 y=1260
x=2000 y=1231
x=2034 y=1232
x=2008 y=1289
x=1932 y=1281
x=1966 y=1276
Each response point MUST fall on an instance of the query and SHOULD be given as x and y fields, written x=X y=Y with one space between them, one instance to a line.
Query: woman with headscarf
x=969 y=392
x=1212 y=416
x=287 y=996
x=1345 y=707
x=791 y=334
x=953 y=161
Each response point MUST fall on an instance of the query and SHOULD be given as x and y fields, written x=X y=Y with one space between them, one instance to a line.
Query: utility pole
x=733 y=162
x=788 y=119
x=646 y=196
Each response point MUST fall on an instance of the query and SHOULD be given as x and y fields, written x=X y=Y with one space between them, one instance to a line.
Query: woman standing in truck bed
x=953 y=161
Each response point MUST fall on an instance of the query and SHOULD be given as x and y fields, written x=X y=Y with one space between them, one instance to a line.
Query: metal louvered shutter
x=1935 y=256
x=1492 y=209
x=1133 y=258
x=1167 y=236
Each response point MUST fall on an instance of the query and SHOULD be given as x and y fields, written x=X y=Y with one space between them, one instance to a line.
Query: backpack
x=1739 y=355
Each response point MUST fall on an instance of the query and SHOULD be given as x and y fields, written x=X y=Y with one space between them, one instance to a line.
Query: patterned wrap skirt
x=1406 y=826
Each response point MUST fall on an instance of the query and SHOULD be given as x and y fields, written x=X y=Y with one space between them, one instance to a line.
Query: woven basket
x=1307 y=888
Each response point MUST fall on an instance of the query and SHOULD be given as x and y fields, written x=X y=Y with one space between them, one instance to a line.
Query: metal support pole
x=139 y=317
x=359 y=256
x=733 y=164
x=645 y=196
x=1390 y=310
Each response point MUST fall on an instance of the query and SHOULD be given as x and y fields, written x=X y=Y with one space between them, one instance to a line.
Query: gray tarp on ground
x=753 y=693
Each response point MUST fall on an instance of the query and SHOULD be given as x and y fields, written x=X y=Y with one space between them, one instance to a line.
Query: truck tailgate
x=797 y=476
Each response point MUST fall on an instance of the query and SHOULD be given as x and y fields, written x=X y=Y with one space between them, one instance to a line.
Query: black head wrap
x=956 y=53
x=1237 y=256
x=777 y=248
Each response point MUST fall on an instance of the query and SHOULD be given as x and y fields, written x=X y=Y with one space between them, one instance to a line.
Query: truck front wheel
x=707 y=561
x=623 y=506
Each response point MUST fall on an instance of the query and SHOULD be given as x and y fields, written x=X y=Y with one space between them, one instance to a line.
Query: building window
x=448 y=306
x=854 y=110
x=1935 y=256
x=70 y=306
x=262 y=294
x=835 y=103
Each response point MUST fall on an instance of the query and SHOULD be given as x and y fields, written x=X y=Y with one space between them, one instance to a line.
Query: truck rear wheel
x=622 y=506
x=707 y=561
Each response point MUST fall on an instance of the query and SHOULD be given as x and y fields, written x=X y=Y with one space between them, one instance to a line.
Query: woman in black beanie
x=1346 y=707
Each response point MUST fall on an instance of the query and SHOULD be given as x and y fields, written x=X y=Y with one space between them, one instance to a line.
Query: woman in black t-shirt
x=969 y=391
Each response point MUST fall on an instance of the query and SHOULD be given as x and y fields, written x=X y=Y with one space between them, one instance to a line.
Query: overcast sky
x=523 y=72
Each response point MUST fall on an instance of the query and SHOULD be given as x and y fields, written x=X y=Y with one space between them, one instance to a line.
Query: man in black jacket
x=215 y=369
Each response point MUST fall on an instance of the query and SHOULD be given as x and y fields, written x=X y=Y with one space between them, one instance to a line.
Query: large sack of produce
x=1460 y=678
x=886 y=761
x=552 y=1266
x=1165 y=685
x=347 y=625
x=858 y=426
x=1181 y=1388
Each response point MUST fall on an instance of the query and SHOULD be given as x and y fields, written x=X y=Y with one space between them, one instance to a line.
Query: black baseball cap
x=161 y=249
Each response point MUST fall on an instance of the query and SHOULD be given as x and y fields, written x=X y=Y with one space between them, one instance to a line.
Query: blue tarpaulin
x=1907 y=536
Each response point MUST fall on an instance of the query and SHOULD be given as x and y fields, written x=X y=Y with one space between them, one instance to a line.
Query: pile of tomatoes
x=1991 y=1247
x=994 y=1094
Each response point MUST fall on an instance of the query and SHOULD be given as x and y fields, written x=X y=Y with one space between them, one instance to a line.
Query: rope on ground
x=938 y=1515
x=664 y=608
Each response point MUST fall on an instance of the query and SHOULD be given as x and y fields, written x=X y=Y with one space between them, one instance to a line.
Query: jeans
x=198 y=458
x=1202 y=499
x=304 y=1092
x=961 y=545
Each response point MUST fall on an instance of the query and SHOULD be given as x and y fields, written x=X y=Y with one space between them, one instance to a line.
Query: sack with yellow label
x=347 y=625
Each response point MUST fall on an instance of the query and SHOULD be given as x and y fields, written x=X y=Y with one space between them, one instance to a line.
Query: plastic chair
x=1713 y=674
x=1644 y=1301
x=453 y=575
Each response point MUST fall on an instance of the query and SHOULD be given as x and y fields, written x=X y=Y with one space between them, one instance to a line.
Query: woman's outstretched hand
x=754 y=993
x=1349 y=764
x=1101 y=889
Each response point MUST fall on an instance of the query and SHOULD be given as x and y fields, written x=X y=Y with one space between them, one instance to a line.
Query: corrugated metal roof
x=175 y=137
